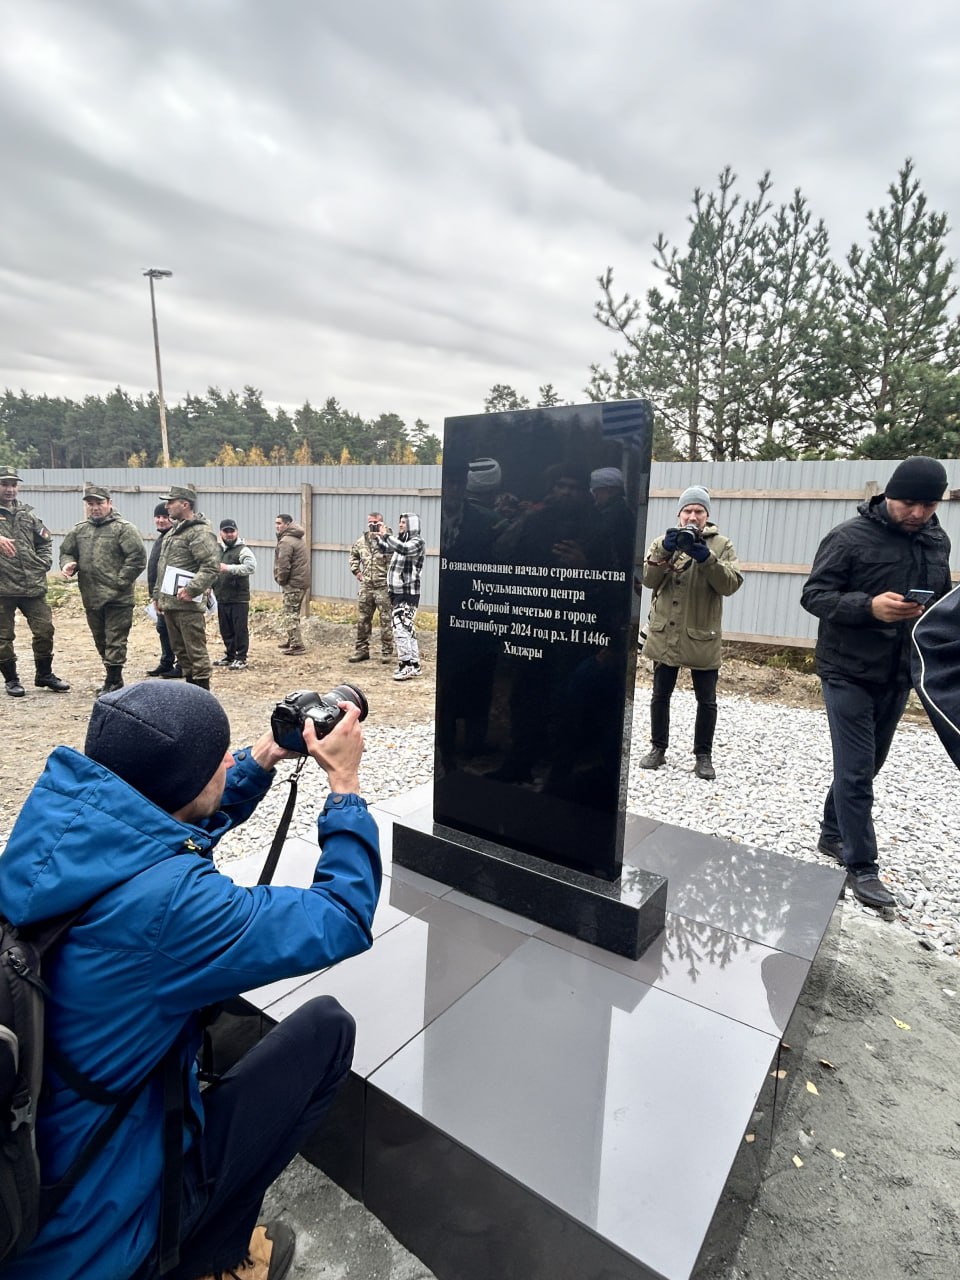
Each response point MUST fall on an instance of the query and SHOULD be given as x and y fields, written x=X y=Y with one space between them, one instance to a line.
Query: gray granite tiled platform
x=525 y=1105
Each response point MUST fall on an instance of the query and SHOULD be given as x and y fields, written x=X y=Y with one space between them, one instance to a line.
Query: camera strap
x=273 y=857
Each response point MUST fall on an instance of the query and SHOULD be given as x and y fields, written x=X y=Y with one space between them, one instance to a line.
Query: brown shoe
x=269 y=1258
x=295 y=649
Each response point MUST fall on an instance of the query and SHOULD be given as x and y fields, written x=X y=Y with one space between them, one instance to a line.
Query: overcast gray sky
x=401 y=203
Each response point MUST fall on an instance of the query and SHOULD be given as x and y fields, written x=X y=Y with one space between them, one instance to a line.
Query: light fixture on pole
x=157 y=273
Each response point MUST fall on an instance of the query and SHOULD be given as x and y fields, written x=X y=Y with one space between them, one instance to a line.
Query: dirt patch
x=34 y=725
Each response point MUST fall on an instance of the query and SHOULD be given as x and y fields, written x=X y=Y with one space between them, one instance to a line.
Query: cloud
x=402 y=204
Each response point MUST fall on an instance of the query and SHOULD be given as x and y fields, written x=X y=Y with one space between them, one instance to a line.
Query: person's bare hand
x=184 y=594
x=69 y=570
x=890 y=606
x=8 y=547
x=338 y=754
x=266 y=752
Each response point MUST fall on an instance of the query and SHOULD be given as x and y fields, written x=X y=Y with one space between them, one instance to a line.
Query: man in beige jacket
x=690 y=569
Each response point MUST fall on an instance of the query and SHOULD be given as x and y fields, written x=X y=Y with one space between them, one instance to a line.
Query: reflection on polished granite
x=525 y=1104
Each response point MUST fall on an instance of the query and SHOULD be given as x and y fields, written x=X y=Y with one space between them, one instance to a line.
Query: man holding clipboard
x=188 y=568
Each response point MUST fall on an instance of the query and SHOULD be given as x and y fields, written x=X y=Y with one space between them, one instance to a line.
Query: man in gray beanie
x=119 y=842
x=871 y=579
x=689 y=569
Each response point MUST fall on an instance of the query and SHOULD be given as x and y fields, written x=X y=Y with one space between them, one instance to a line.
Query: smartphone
x=918 y=596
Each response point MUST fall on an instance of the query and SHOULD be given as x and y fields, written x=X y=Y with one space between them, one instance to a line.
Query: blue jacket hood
x=49 y=868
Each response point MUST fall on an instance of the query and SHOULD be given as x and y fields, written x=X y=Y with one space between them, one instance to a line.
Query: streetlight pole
x=157 y=273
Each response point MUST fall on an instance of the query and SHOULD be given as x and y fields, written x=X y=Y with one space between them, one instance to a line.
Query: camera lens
x=350 y=693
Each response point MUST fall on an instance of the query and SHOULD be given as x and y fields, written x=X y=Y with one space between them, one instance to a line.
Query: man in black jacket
x=858 y=588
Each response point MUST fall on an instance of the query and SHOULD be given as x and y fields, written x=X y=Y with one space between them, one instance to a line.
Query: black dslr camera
x=290 y=715
x=687 y=537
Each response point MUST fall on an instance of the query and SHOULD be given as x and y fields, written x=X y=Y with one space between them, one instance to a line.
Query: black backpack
x=25 y=1203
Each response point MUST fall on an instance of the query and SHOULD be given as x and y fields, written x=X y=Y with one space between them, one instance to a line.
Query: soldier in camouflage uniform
x=190 y=546
x=26 y=556
x=106 y=555
x=368 y=564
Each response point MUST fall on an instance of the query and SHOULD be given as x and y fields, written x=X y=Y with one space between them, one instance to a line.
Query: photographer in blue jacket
x=123 y=835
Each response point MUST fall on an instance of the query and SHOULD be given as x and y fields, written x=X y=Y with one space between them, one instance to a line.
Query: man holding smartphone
x=871 y=579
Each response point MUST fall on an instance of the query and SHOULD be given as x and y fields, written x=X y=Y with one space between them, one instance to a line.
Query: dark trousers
x=257 y=1117
x=168 y=659
x=862 y=719
x=705 y=690
x=234 y=627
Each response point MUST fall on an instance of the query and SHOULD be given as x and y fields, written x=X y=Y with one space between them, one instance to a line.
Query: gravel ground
x=773 y=770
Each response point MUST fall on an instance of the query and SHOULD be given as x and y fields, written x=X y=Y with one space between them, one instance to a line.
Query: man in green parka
x=106 y=555
x=689 y=570
x=189 y=566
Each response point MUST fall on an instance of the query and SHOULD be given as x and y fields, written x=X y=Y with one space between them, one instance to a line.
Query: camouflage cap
x=95 y=492
x=181 y=492
x=9 y=476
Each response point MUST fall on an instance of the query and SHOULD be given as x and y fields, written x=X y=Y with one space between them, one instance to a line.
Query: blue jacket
x=165 y=935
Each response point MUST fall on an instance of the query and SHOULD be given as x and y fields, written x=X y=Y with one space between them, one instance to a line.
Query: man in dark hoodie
x=122 y=838
x=859 y=588
x=403 y=583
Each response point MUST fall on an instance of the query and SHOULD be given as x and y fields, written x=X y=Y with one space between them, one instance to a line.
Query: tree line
x=216 y=429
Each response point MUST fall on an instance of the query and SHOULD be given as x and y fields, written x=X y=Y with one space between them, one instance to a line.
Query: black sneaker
x=654 y=758
x=172 y=673
x=868 y=888
x=832 y=848
x=222 y=662
x=704 y=768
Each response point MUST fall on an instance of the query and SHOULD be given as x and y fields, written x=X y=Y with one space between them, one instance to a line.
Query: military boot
x=113 y=681
x=11 y=680
x=45 y=678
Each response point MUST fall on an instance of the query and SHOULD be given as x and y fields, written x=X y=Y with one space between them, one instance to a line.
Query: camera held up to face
x=686 y=537
x=290 y=715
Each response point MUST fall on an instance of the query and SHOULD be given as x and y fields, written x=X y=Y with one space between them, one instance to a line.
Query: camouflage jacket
x=191 y=545
x=109 y=555
x=25 y=574
x=369 y=561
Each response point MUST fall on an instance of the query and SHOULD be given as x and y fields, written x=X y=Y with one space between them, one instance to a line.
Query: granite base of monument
x=526 y=1105
x=622 y=915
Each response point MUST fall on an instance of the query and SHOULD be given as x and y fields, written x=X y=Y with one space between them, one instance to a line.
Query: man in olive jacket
x=291 y=571
x=26 y=556
x=106 y=555
x=189 y=567
x=858 y=588
x=684 y=627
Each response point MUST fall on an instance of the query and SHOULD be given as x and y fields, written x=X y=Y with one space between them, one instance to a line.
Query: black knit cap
x=917 y=480
x=165 y=739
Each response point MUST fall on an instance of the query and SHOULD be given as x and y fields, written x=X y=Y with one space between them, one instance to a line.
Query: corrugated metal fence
x=775 y=512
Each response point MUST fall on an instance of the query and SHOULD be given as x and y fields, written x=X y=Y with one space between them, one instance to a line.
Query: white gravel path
x=773 y=769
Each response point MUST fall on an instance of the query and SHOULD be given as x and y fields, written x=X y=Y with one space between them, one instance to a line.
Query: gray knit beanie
x=165 y=739
x=696 y=493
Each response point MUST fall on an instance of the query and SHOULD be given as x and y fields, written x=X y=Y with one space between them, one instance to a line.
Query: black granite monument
x=543 y=519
